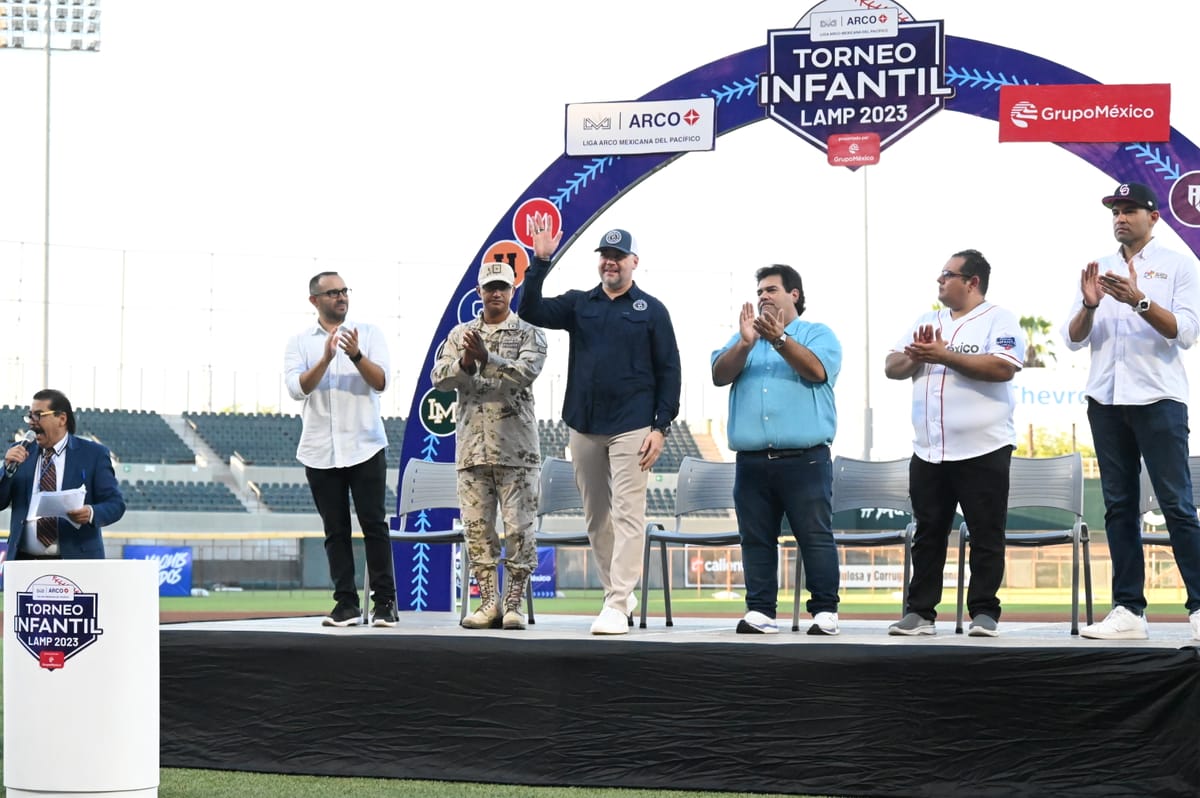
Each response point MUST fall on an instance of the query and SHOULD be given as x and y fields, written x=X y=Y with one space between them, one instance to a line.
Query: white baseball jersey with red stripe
x=956 y=417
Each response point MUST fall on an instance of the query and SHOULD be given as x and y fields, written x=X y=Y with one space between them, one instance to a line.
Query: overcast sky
x=208 y=160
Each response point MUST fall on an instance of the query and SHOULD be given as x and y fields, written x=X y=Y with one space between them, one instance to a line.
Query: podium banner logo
x=55 y=620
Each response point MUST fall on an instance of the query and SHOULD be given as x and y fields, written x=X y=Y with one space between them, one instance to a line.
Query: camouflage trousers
x=515 y=490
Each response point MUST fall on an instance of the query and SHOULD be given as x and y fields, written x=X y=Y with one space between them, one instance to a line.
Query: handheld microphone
x=29 y=437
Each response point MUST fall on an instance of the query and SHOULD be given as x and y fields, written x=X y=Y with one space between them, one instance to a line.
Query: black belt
x=777 y=454
x=26 y=556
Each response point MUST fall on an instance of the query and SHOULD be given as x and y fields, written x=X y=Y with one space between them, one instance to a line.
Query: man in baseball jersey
x=961 y=359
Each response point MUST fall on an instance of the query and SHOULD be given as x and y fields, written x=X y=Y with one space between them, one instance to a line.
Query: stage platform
x=695 y=706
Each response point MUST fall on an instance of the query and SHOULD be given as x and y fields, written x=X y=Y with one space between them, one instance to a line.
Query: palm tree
x=1037 y=341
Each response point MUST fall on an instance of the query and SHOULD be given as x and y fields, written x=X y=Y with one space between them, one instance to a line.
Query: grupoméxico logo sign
x=854 y=67
x=1087 y=113
x=56 y=620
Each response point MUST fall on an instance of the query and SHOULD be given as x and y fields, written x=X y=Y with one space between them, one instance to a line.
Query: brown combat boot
x=514 y=594
x=487 y=616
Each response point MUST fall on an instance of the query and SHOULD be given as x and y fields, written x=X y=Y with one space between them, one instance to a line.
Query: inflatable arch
x=573 y=191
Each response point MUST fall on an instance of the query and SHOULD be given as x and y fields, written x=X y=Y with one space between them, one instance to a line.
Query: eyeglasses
x=37 y=415
x=946 y=275
x=334 y=293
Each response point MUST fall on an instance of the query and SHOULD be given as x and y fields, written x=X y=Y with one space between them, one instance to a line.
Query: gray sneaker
x=912 y=624
x=983 y=626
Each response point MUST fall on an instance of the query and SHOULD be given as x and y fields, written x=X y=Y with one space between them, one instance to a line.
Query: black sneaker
x=343 y=615
x=385 y=614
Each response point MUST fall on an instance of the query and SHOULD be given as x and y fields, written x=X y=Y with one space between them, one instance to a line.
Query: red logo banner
x=852 y=149
x=1085 y=113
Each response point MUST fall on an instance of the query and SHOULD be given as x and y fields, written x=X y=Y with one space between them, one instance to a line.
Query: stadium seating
x=395 y=435
x=295 y=497
x=269 y=439
x=173 y=496
x=266 y=439
x=134 y=436
x=12 y=423
x=680 y=444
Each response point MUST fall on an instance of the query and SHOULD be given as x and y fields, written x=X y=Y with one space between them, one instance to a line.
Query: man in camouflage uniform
x=492 y=362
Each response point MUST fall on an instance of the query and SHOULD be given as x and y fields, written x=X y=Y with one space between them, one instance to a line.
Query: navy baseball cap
x=1136 y=193
x=621 y=240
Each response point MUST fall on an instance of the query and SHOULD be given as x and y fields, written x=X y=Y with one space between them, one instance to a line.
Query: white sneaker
x=610 y=621
x=1195 y=619
x=757 y=623
x=1121 y=624
x=824 y=623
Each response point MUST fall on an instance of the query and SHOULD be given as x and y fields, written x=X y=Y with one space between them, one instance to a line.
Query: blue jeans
x=801 y=487
x=1158 y=434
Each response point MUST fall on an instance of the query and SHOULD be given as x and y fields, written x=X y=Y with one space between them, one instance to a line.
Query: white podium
x=81 y=708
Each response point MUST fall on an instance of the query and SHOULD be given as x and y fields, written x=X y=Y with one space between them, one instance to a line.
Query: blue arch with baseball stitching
x=582 y=188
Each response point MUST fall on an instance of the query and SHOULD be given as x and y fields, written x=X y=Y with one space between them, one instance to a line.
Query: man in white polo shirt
x=961 y=359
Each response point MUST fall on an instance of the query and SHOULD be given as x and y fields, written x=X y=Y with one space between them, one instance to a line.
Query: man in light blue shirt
x=782 y=419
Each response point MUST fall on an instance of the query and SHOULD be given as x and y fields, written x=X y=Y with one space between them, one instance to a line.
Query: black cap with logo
x=1135 y=193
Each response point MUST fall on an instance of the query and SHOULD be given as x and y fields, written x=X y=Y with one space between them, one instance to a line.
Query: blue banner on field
x=544 y=581
x=174 y=567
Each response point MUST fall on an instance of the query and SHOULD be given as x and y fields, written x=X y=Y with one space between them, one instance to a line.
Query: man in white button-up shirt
x=339 y=369
x=1137 y=310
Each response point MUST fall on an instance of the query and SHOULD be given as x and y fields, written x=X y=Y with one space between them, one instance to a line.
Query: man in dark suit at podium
x=60 y=461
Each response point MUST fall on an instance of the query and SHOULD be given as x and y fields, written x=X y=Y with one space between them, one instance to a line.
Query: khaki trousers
x=613 y=488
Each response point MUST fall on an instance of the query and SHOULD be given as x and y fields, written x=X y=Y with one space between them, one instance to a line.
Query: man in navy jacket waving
x=623 y=384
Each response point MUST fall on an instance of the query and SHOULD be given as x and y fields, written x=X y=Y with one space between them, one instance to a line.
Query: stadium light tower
x=49 y=25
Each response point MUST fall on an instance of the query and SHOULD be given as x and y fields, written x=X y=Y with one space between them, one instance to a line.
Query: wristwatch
x=1143 y=304
x=664 y=431
x=780 y=341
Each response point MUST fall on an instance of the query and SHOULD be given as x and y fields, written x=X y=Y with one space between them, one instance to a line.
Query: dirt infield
x=186 y=617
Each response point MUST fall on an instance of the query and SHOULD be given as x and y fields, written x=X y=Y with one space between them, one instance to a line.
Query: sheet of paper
x=57 y=503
